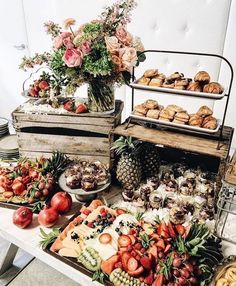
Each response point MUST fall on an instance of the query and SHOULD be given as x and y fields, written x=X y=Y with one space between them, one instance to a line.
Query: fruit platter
x=119 y=247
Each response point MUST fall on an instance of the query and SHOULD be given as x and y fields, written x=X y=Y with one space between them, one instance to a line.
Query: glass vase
x=101 y=97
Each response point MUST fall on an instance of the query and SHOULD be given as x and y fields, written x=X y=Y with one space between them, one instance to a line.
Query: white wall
x=196 y=25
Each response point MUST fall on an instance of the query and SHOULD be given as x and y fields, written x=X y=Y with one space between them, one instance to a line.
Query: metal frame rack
x=216 y=136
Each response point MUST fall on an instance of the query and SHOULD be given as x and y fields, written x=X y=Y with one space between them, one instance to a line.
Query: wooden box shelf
x=84 y=136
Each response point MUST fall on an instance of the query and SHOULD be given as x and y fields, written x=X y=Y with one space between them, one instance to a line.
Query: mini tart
x=141 y=109
x=182 y=116
x=150 y=104
x=143 y=80
x=166 y=113
x=194 y=86
x=175 y=108
x=156 y=82
x=202 y=77
x=150 y=73
x=176 y=75
x=195 y=120
x=204 y=111
x=213 y=87
x=153 y=113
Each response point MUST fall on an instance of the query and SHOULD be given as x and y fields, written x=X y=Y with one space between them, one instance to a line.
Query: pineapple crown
x=126 y=145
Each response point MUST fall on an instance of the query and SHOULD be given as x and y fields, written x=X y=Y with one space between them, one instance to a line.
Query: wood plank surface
x=85 y=127
x=82 y=145
x=230 y=176
x=175 y=140
x=38 y=154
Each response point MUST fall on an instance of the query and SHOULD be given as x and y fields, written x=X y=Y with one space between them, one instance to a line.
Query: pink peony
x=118 y=62
x=129 y=58
x=112 y=44
x=123 y=35
x=58 y=42
x=73 y=57
x=86 y=47
x=67 y=42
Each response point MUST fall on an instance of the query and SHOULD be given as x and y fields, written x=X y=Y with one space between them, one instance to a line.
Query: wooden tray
x=72 y=262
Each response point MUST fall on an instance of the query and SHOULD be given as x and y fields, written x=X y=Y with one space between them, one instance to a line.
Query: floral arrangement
x=101 y=52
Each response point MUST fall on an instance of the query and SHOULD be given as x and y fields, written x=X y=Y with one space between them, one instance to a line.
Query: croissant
x=230 y=274
x=222 y=282
x=202 y=77
x=213 y=87
x=194 y=86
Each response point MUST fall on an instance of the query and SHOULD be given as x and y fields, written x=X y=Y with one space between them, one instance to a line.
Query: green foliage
x=57 y=64
x=99 y=276
x=126 y=145
x=48 y=238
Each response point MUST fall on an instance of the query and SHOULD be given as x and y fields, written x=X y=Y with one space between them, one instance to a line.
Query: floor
x=35 y=273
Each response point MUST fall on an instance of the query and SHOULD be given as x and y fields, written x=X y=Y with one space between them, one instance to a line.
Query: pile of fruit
x=41 y=87
x=31 y=181
x=71 y=106
x=131 y=251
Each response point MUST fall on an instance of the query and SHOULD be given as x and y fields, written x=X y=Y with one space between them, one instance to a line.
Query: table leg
x=6 y=260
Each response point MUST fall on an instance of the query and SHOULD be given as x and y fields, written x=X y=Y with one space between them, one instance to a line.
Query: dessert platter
x=176 y=116
x=85 y=180
x=176 y=83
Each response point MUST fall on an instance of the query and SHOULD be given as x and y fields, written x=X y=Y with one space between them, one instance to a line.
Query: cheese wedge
x=70 y=243
x=68 y=252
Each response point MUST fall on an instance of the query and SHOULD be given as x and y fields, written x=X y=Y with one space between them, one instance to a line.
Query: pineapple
x=150 y=160
x=129 y=168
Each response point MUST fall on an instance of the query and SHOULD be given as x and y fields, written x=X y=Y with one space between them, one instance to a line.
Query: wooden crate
x=200 y=149
x=84 y=136
x=230 y=175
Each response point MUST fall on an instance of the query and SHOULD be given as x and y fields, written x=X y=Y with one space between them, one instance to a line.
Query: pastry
x=195 y=120
x=180 y=87
x=181 y=83
x=141 y=109
x=139 y=114
x=202 y=77
x=204 y=111
x=166 y=113
x=156 y=82
x=211 y=123
x=150 y=104
x=194 y=86
x=178 y=121
x=175 y=76
x=168 y=83
x=164 y=119
x=175 y=108
x=213 y=87
x=153 y=113
x=143 y=80
x=161 y=76
x=150 y=73
x=182 y=116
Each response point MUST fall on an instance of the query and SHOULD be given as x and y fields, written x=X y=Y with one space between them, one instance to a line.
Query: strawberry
x=102 y=210
x=120 y=211
x=81 y=108
x=26 y=180
x=124 y=259
x=168 y=247
x=132 y=231
x=85 y=211
x=163 y=230
x=68 y=105
x=43 y=85
x=124 y=240
x=171 y=230
x=180 y=229
x=33 y=174
x=161 y=244
x=132 y=264
x=136 y=272
x=105 y=238
x=32 y=92
x=118 y=264
x=149 y=279
x=108 y=265
x=146 y=262
x=133 y=239
x=90 y=224
x=138 y=246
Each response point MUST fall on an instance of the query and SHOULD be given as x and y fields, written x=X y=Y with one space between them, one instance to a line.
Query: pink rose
x=73 y=58
x=112 y=44
x=67 y=42
x=58 y=42
x=86 y=47
x=66 y=35
x=118 y=62
x=123 y=35
x=129 y=58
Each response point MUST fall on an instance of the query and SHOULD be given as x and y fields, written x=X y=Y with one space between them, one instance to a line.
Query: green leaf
x=48 y=238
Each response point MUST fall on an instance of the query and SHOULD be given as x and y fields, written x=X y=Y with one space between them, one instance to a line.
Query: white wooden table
x=28 y=240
